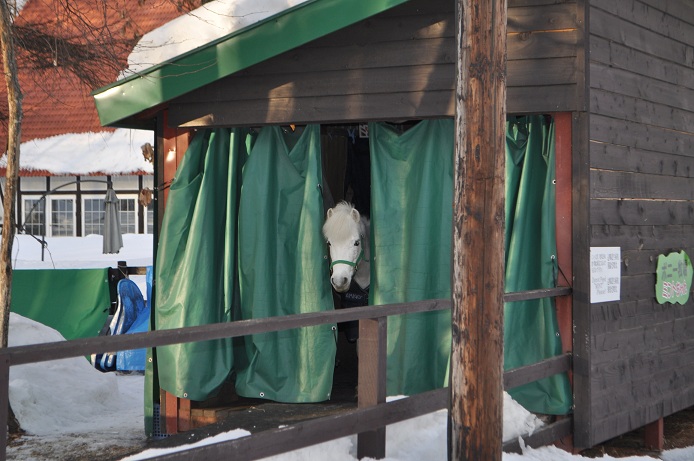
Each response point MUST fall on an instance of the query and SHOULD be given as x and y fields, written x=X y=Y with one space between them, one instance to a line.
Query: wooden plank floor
x=256 y=415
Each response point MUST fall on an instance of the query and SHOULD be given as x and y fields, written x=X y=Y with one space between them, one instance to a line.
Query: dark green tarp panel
x=73 y=301
x=530 y=327
x=195 y=270
x=241 y=239
x=411 y=213
x=283 y=268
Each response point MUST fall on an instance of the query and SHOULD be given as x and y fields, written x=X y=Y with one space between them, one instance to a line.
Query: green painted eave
x=239 y=50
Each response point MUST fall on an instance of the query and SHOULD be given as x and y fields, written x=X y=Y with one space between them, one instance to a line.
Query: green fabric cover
x=263 y=214
x=73 y=301
x=530 y=327
x=241 y=239
x=284 y=268
x=195 y=270
x=411 y=224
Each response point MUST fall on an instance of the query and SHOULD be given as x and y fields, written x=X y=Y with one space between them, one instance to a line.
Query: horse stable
x=605 y=91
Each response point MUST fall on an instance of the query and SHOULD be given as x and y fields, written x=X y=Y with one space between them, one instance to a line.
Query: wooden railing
x=368 y=420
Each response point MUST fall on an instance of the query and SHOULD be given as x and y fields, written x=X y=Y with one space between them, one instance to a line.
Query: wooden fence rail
x=368 y=420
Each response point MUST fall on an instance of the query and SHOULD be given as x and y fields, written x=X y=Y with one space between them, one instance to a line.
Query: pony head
x=344 y=230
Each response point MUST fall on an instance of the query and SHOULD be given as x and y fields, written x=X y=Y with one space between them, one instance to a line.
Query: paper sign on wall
x=605 y=274
x=673 y=278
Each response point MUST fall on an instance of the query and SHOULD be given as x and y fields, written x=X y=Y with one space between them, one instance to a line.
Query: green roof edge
x=229 y=54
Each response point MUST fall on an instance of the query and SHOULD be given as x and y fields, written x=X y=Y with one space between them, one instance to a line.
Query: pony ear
x=329 y=213
x=355 y=215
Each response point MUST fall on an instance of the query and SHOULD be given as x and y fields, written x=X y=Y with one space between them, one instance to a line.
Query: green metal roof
x=227 y=55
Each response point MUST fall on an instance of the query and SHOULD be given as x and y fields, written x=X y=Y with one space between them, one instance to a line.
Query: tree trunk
x=14 y=100
x=476 y=384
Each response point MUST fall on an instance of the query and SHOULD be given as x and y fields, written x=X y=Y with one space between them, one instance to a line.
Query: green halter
x=354 y=264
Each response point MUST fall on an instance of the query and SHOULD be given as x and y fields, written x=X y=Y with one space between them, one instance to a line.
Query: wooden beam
x=563 y=223
x=170 y=407
x=539 y=293
x=475 y=416
x=372 y=382
x=654 y=435
x=530 y=373
x=314 y=431
x=170 y=146
x=184 y=415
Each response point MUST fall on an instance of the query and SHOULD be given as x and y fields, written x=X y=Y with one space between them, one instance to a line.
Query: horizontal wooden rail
x=537 y=294
x=19 y=355
x=371 y=418
x=284 y=439
x=530 y=373
x=139 y=270
x=281 y=440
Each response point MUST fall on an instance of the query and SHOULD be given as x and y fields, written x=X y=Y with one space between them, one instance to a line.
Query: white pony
x=347 y=234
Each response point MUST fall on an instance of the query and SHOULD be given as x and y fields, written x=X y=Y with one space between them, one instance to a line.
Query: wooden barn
x=615 y=77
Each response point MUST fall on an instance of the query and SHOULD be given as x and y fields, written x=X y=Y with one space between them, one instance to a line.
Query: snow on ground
x=69 y=408
x=79 y=252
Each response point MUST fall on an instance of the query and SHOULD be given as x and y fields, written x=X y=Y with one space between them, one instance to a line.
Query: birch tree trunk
x=14 y=100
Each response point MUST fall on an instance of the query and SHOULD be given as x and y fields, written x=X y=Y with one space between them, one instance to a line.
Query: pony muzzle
x=341 y=277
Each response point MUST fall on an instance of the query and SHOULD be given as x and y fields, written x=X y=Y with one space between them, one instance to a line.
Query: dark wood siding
x=397 y=65
x=642 y=200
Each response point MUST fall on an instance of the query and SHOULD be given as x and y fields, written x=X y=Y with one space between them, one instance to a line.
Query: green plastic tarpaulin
x=196 y=262
x=241 y=239
x=284 y=269
x=531 y=333
x=411 y=213
x=75 y=302
x=411 y=235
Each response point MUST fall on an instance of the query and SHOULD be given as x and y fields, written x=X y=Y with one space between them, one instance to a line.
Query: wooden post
x=372 y=382
x=564 y=194
x=654 y=435
x=475 y=417
x=171 y=144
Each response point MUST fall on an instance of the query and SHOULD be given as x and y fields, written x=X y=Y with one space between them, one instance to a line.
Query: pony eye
x=356 y=243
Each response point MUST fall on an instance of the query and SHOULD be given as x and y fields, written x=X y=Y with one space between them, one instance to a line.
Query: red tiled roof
x=54 y=100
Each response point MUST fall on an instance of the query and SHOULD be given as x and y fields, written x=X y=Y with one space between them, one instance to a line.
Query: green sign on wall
x=673 y=278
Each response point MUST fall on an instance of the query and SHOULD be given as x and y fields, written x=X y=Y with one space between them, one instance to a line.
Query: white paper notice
x=605 y=274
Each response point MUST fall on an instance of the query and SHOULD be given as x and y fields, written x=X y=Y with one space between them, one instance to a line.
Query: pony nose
x=340 y=283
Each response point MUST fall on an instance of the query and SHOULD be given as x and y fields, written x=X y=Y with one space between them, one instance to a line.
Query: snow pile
x=69 y=395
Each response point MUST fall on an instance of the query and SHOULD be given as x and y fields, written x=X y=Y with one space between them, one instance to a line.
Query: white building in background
x=63 y=182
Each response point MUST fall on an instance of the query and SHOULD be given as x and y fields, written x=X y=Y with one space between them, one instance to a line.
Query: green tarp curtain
x=283 y=268
x=530 y=327
x=195 y=268
x=411 y=213
x=241 y=239
x=73 y=301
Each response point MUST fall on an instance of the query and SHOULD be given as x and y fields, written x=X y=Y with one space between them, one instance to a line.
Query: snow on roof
x=115 y=152
x=120 y=152
x=209 y=22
